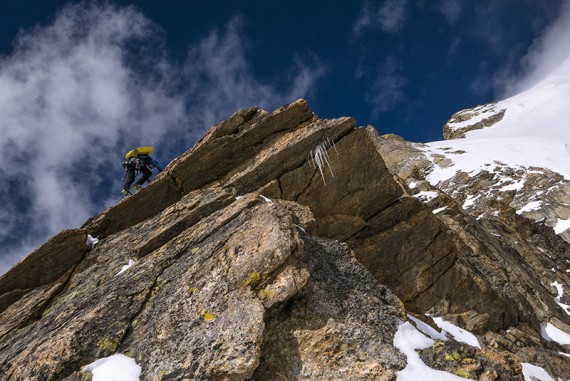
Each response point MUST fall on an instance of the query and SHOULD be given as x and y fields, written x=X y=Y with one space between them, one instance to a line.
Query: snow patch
x=426 y=196
x=439 y=210
x=428 y=330
x=552 y=333
x=561 y=226
x=126 y=267
x=458 y=334
x=117 y=367
x=482 y=154
x=533 y=205
x=533 y=372
x=407 y=340
x=532 y=133
x=558 y=299
x=91 y=241
x=484 y=113
x=515 y=186
x=267 y=200
x=470 y=201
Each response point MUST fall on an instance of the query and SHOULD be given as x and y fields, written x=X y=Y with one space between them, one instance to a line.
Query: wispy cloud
x=389 y=17
x=490 y=23
x=451 y=9
x=387 y=90
x=549 y=55
x=453 y=47
x=218 y=72
x=78 y=93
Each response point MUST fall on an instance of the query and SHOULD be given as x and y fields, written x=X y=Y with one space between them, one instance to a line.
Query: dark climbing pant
x=130 y=173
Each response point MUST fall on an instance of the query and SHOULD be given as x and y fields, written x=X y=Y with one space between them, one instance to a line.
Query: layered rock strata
x=245 y=266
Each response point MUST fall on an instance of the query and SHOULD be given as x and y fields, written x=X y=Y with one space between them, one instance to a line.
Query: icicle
x=319 y=158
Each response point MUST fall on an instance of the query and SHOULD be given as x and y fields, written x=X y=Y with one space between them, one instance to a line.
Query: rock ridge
x=282 y=244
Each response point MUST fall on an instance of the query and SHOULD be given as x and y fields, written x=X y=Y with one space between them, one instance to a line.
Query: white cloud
x=78 y=93
x=218 y=73
x=390 y=17
x=550 y=53
x=388 y=88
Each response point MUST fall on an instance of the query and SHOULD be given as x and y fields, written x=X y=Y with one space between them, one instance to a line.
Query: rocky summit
x=283 y=246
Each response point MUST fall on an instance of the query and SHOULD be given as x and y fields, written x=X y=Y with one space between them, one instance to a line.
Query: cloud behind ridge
x=78 y=93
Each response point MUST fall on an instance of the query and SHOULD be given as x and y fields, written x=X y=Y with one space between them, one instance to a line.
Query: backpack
x=138 y=151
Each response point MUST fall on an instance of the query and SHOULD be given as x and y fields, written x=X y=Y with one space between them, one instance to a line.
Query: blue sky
x=82 y=83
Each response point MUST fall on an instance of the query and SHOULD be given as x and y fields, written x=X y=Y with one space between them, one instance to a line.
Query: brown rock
x=452 y=131
x=214 y=158
x=230 y=281
x=43 y=266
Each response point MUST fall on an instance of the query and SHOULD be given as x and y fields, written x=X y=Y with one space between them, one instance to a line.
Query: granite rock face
x=281 y=246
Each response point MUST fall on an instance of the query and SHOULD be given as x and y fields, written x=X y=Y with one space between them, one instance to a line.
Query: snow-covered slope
x=503 y=175
x=516 y=151
x=533 y=131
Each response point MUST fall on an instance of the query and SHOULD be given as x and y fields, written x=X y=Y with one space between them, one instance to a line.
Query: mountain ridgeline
x=287 y=247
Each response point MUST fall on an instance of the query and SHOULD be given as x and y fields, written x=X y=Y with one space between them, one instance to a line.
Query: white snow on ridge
x=540 y=111
x=470 y=201
x=480 y=154
x=426 y=196
x=558 y=299
x=485 y=112
x=533 y=205
x=562 y=226
x=551 y=333
x=458 y=334
x=534 y=131
x=439 y=210
x=515 y=186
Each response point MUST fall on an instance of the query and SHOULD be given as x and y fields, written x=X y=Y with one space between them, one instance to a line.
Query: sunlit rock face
x=504 y=172
x=285 y=246
x=472 y=119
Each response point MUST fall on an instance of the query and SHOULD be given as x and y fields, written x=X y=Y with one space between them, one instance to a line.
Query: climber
x=138 y=160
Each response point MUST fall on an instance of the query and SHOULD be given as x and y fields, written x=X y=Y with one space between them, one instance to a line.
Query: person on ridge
x=138 y=160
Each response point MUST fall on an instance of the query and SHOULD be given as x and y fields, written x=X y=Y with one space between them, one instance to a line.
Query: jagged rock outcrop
x=520 y=256
x=279 y=246
x=472 y=119
x=466 y=361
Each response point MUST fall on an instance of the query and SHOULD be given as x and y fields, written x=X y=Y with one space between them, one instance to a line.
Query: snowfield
x=533 y=132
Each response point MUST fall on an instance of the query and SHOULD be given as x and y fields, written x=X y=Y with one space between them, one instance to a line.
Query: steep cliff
x=284 y=246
